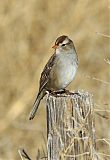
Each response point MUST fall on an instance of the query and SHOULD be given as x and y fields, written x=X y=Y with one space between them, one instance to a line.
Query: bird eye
x=63 y=44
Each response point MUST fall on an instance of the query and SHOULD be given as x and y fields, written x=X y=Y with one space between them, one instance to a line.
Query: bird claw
x=63 y=92
x=57 y=93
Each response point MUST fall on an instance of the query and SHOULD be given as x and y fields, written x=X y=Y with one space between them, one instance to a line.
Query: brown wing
x=45 y=74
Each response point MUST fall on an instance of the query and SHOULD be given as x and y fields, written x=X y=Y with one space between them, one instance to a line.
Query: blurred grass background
x=28 y=29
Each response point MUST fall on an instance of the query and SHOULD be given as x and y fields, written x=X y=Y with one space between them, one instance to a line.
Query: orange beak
x=55 y=46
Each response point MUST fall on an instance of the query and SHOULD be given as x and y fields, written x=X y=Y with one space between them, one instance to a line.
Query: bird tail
x=36 y=104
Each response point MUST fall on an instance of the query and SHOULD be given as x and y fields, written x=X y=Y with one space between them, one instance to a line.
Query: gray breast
x=66 y=69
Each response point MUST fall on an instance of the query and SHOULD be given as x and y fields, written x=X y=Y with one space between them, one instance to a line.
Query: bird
x=59 y=71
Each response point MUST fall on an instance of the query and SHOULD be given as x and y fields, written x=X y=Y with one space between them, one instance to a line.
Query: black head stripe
x=60 y=39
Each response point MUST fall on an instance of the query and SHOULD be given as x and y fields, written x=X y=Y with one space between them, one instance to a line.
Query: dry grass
x=28 y=29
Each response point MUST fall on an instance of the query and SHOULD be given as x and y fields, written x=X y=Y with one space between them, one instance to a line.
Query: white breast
x=67 y=67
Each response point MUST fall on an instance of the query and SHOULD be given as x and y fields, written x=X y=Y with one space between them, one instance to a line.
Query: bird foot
x=62 y=92
x=57 y=93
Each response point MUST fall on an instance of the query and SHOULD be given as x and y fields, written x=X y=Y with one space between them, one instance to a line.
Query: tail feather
x=36 y=105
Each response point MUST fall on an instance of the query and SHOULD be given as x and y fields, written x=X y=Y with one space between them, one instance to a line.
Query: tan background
x=28 y=29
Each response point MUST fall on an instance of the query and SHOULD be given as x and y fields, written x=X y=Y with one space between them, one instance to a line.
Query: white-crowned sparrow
x=59 y=71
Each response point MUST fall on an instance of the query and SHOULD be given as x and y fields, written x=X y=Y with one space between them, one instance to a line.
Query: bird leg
x=56 y=93
x=67 y=92
x=63 y=92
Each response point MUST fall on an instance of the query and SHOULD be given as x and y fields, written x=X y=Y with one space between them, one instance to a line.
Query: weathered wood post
x=70 y=127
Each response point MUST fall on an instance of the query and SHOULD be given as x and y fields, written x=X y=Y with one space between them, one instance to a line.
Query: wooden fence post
x=70 y=127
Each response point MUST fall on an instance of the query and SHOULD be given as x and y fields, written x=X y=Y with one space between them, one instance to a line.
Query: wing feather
x=45 y=74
